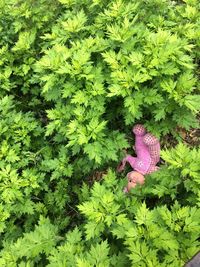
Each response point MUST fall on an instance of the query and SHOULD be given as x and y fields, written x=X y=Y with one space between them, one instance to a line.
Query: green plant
x=155 y=225
x=75 y=75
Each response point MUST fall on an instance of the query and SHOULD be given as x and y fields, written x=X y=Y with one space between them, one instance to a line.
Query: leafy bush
x=74 y=77
x=155 y=225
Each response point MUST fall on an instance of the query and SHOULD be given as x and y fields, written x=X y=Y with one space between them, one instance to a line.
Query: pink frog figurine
x=147 y=148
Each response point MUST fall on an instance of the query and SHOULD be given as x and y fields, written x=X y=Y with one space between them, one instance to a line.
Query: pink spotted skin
x=147 y=148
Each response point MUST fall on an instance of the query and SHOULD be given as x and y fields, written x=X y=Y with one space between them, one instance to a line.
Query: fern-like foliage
x=75 y=75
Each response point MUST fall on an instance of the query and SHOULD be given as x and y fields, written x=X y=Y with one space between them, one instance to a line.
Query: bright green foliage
x=182 y=174
x=19 y=176
x=151 y=234
x=148 y=227
x=31 y=245
x=75 y=76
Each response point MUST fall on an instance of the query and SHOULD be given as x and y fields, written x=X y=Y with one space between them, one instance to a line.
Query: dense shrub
x=155 y=225
x=75 y=75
